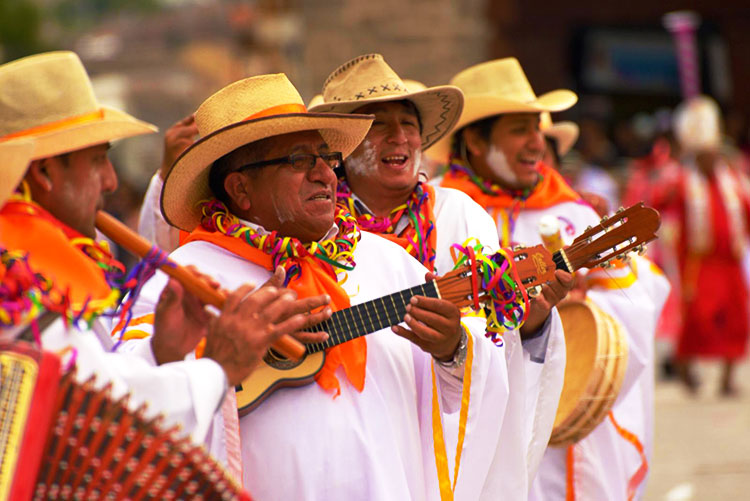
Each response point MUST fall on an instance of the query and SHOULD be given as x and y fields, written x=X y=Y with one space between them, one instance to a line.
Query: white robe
x=303 y=444
x=534 y=387
x=151 y=223
x=605 y=461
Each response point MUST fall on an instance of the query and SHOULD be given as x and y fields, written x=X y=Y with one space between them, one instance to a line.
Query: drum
x=597 y=356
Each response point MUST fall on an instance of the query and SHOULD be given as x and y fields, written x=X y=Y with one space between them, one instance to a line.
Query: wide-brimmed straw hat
x=368 y=79
x=498 y=87
x=565 y=133
x=244 y=112
x=49 y=97
x=15 y=156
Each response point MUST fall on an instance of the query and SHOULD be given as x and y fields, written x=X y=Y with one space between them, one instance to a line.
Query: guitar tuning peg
x=588 y=228
x=621 y=209
x=641 y=249
x=604 y=218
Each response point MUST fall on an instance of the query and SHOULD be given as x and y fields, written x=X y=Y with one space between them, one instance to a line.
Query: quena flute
x=136 y=244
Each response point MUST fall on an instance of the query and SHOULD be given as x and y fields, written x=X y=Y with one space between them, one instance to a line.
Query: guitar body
x=274 y=373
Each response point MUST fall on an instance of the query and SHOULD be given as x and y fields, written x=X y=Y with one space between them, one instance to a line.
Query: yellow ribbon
x=441 y=455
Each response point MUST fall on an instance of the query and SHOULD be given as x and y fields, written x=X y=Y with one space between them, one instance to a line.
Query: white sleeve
x=187 y=393
x=151 y=223
x=543 y=386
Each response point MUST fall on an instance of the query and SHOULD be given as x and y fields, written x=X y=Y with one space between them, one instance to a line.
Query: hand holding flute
x=273 y=310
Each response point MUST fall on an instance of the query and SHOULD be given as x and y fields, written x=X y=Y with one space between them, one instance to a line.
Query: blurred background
x=159 y=59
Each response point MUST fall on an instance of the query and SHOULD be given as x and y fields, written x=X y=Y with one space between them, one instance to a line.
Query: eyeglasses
x=300 y=161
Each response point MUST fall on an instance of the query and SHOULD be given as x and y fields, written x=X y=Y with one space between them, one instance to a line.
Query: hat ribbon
x=279 y=109
x=54 y=126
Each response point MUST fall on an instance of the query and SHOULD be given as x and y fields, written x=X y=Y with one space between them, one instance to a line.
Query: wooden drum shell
x=597 y=355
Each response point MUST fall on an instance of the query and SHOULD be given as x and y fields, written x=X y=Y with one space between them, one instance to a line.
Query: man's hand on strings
x=433 y=324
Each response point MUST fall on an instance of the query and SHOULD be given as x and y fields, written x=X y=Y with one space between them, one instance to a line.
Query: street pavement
x=702 y=443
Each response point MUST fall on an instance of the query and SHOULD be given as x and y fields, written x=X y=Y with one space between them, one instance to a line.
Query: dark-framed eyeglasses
x=300 y=161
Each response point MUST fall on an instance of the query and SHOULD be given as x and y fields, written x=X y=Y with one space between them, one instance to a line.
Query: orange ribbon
x=280 y=109
x=54 y=126
x=633 y=483
x=314 y=279
x=640 y=474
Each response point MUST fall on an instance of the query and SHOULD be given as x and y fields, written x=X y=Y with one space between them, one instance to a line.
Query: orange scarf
x=315 y=278
x=27 y=227
x=551 y=190
x=505 y=206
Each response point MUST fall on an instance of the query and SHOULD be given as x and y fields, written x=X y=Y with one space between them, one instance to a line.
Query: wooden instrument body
x=276 y=373
x=597 y=357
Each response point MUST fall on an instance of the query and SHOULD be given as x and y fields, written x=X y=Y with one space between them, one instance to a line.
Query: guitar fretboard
x=560 y=263
x=371 y=316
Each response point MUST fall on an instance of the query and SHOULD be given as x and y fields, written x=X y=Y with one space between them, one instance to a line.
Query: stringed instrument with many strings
x=627 y=230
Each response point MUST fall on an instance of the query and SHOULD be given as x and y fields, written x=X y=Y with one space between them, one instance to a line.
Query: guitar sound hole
x=278 y=361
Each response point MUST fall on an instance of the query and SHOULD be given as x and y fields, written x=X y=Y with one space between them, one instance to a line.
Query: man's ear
x=473 y=141
x=236 y=185
x=38 y=175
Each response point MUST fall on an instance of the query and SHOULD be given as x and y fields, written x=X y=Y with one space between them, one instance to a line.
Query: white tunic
x=605 y=461
x=303 y=444
x=535 y=378
x=151 y=223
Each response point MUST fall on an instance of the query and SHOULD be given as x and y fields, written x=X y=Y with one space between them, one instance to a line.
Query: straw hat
x=316 y=100
x=15 y=156
x=368 y=79
x=498 y=87
x=244 y=112
x=565 y=133
x=49 y=97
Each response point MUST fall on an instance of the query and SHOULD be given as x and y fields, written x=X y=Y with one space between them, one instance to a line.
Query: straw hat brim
x=113 y=125
x=481 y=106
x=186 y=183
x=565 y=133
x=15 y=156
x=439 y=109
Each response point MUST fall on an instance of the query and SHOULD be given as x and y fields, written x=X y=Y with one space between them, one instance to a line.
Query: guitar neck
x=561 y=261
x=371 y=316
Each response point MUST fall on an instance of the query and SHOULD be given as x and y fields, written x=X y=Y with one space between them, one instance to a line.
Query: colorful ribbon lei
x=338 y=251
x=459 y=168
x=417 y=232
x=494 y=276
x=25 y=295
